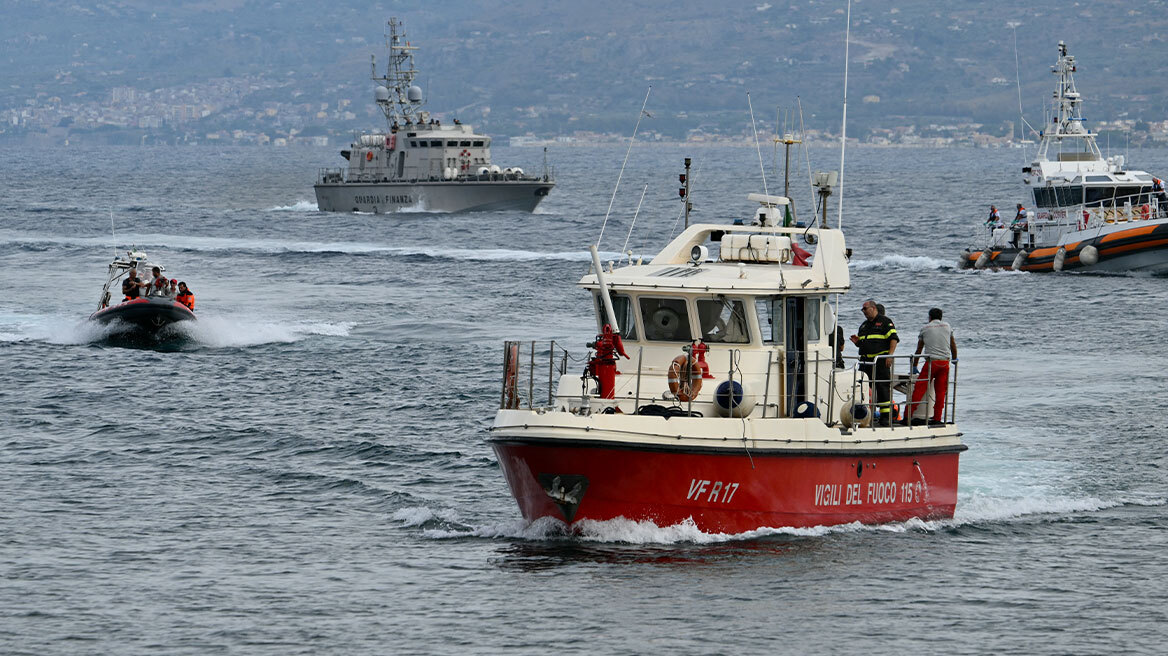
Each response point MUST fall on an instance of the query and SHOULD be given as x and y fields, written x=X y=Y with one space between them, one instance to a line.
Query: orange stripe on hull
x=1134 y=247
x=1125 y=234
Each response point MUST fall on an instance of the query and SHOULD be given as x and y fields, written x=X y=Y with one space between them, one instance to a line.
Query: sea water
x=306 y=471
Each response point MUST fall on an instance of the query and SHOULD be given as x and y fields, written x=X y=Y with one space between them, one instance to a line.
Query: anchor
x=566 y=491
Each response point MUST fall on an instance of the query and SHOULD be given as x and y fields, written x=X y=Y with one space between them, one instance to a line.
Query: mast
x=395 y=92
x=1067 y=113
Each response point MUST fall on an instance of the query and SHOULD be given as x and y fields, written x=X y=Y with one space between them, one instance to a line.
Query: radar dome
x=414 y=94
x=381 y=94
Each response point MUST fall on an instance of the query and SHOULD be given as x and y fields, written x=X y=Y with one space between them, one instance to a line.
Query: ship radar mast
x=1066 y=122
x=399 y=99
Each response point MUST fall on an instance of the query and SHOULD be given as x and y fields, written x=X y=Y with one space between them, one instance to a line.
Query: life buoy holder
x=369 y=156
x=1145 y=212
x=685 y=378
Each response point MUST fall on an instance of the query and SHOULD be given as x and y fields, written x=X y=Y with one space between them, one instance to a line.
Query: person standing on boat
x=876 y=338
x=1161 y=197
x=937 y=343
x=1018 y=225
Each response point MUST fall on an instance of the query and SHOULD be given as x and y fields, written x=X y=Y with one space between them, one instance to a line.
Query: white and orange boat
x=1090 y=211
x=731 y=407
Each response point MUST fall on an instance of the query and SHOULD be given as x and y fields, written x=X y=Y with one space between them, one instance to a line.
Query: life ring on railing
x=685 y=378
x=1145 y=212
x=369 y=156
x=511 y=377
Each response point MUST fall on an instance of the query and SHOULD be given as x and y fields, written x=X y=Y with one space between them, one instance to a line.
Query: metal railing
x=348 y=174
x=531 y=370
x=906 y=385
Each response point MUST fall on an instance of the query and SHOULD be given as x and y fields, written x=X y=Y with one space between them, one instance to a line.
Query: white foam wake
x=227 y=331
x=279 y=246
x=973 y=509
x=903 y=262
x=298 y=206
x=214 y=331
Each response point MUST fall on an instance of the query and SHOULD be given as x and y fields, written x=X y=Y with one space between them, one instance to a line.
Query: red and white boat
x=730 y=407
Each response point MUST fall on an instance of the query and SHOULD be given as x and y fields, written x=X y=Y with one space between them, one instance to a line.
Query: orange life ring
x=1145 y=212
x=369 y=156
x=682 y=385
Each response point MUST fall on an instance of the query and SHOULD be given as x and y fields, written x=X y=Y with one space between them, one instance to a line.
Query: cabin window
x=478 y=144
x=814 y=318
x=666 y=319
x=414 y=144
x=437 y=143
x=464 y=144
x=762 y=309
x=1098 y=178
x=452 y=144
x=622 y=307
x=723 y=321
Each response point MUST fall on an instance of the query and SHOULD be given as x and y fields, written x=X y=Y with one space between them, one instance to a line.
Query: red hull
x=721 y=491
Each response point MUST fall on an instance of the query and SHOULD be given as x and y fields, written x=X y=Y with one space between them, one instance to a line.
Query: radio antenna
x=844 y=125
x=640 y=115
x=634 y=222
x=757 y=148
x=113 y=233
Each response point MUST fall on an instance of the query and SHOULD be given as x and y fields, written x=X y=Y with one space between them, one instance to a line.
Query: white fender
x=982 y=260
x=1059 y=257
x=1016 y=265
x=1089 y=255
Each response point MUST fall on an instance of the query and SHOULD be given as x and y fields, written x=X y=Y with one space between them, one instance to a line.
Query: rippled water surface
x=306 y=472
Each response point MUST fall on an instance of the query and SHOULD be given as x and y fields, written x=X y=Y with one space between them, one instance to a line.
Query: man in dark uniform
x=877 y=337
x=131 y=285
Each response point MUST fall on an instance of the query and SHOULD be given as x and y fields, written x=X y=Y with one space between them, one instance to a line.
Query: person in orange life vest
x=995 y=219
x=1161 y=197
x=185 y=296
x=157 y=285
x=1018 y=224
x=131 y=285
x=937 y=343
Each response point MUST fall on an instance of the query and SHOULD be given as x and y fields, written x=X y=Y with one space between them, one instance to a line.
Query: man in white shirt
x=937 y=343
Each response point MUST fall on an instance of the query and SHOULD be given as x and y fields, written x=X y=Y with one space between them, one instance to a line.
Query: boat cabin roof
x=740 y=259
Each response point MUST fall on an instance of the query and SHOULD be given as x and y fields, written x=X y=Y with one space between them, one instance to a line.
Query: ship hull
x=147 y=315
x=727 y=490
x=1142 y=248
x=452 y=196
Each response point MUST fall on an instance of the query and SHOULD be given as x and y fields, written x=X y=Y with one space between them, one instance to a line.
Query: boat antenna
x=634 y=222
x=636 y=127
x=757 y=148
x=844 y=124
x=113 y=233
x=691 y=183
x=1022 y=124
x=807 y=158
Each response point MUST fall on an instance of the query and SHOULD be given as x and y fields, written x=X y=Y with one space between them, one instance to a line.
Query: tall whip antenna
x=113 y=233
x=622 y=169
x=1022 y=124
x=757 y=148
x=634 y=222
x=844 y=126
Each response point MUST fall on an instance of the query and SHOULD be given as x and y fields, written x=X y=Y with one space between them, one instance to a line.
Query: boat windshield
x=723 y=321
x=666 y=319
x=622 y=307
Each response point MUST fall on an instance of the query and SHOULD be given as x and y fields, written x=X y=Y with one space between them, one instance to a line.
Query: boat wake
x=214 y=331
x=902 y=263
x=972 y=510
x=280 y=247
x=298 y=206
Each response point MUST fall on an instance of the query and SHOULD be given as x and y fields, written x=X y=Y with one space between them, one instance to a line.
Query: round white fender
x=1016 y=265
x=982 y=260
x=1059 y=257
x=1089 y=255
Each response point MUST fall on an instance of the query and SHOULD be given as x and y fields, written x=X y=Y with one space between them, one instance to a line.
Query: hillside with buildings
x=243 y=71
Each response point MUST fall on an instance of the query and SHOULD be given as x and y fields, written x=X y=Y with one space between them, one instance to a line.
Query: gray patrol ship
x=421 y=163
